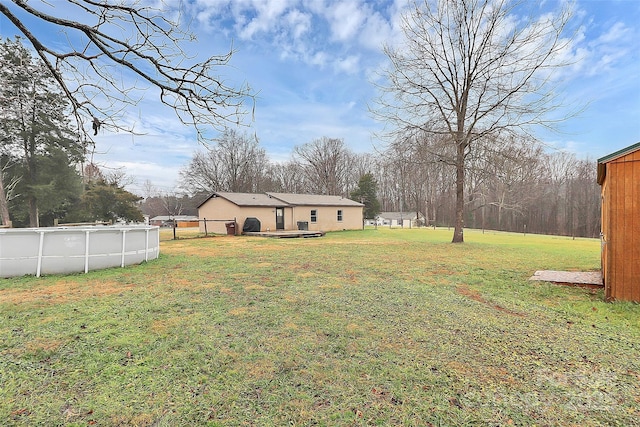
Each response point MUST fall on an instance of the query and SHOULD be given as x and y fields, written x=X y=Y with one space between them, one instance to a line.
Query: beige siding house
x=281 y=211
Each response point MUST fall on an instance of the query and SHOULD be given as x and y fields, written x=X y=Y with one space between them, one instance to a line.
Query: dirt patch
x=43 y=345
x=475 y=295
x=62 y=292
x=255 y=288
x=239 y=311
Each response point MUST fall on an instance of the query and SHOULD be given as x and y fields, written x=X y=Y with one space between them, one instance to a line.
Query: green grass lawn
x=375 y=327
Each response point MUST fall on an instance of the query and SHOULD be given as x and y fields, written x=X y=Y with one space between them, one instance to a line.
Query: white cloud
x=603 y=53
x=375 y=32
x=616 y=33
x=349 y=65
x=299 y=23
x=318 y=58
x=313 y=32
x=345 y=19
x=267 y=17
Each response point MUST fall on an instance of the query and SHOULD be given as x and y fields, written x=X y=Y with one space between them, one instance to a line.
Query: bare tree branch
x=117 y=41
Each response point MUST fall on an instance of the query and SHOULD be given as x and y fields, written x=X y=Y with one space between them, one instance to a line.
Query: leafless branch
x=116 y=50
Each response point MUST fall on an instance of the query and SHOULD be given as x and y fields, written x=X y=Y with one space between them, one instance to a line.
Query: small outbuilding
x=282 y=211
x=619 y=178
x=400 y=219
x=178 y=220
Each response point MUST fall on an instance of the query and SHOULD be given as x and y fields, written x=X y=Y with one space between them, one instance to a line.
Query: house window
x=314 y=215
x=339 y=214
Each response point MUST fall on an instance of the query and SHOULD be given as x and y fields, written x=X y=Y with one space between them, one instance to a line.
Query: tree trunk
x=34 y=221
x=4 y=208
x=458 y=236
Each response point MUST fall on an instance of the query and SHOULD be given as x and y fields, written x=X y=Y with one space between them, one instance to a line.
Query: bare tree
x=6 y=193
x=326 y=164
x=559 y=168
x=148 y=189
x=287 y=177
x=236 y=163
x=172 y=204
x=112 y=40
x=469 y=69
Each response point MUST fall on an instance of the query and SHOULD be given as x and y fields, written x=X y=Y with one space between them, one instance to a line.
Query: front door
x=279 y=218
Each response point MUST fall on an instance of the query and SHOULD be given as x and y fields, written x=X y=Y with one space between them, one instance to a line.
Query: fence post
x=40 y=253
x=86 y=252
x=124 y=241
x=146 y=245
x=174 y=229
x=205 y=227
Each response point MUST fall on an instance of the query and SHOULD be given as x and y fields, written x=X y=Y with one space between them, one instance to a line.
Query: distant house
x=619 y=178
x=281 y=211
x=180 y=220
x=400 y=219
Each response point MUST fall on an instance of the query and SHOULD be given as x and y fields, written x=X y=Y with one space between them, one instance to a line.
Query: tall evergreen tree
x=57 y=187
x=34 y=123
x=366 y=193
x=104 y=201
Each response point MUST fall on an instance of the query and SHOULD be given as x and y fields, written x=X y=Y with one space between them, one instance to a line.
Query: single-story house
x=400 y=219
x=280 y=211
x=619 y=178
x=180 y=220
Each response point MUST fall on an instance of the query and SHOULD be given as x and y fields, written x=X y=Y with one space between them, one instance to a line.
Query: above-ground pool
x=59 y=250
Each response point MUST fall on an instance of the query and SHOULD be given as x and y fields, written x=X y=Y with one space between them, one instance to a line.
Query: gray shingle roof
x=283 y=199
x=314 y=200
x=251 y=199
x=397 y=215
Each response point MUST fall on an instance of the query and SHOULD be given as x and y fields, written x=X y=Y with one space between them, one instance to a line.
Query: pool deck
x=281 y=234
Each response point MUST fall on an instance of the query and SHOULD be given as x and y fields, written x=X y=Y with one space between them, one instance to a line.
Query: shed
x=619 y=178
x=179 y=220
x=401 y=219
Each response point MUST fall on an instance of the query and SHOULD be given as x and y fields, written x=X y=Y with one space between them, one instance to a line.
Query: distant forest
x=519 y=186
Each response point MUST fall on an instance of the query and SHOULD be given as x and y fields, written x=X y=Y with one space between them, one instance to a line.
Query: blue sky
x=311 y=63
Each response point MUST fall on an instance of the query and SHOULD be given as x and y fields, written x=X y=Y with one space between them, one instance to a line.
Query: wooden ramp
x=285 y=234
x=590 y=279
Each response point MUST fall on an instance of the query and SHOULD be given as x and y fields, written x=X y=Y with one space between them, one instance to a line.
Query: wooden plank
x=634 y=232
x=628 y=229
x=611 y=178
x=606 y=230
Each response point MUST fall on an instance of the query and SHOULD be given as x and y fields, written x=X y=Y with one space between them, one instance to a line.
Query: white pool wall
x=61 y=250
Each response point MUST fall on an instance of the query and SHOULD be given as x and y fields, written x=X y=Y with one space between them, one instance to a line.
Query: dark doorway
x=279 y=218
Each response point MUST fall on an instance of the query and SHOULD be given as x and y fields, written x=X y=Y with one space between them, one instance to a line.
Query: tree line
x=514 y=185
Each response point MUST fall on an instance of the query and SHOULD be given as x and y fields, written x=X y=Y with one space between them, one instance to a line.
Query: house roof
x=313 y=200
x=247 y=199
x=602 y=171
x=620 y=153
x=397 y=215
x=176 y=217
x=282 y=199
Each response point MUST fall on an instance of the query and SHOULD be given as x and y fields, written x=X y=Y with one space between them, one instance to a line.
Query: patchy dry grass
x=381 y=327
